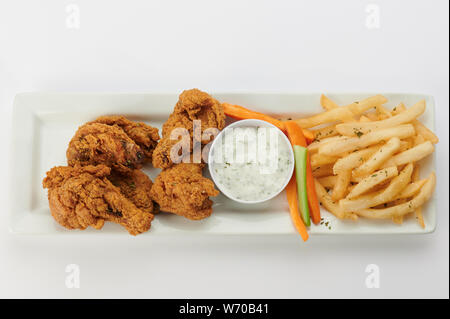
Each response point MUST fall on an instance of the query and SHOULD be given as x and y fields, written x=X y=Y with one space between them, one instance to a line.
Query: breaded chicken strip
x=136 y=187
x=192 y=105
x=182 y=190
x=142 y=134
x=96 y=143
x=83 y=196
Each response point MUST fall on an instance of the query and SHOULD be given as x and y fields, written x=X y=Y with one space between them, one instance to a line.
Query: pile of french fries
x=364 y=159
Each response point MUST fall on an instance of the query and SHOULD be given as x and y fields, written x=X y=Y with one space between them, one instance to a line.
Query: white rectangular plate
x=45 y=122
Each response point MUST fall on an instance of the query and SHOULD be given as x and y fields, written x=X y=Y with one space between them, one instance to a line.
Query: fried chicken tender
x=82 y=196
x=136 y=187
x=182 y=190
x=97 y=143
x=142 y=134
x=192 y=105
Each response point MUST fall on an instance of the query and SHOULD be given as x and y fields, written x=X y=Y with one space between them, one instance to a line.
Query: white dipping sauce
x=252 y=163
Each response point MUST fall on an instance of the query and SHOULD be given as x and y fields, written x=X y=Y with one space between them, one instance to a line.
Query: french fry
x=418 y=212
x=324 y=132
x=348 y=119
x=337 y=114
x=352 y=129
x=314 y=146
x=350 y=187
x=354 y=143
x=372 y=180
x=419 y=217
x=378 y=158
x=397 y=219
x=404 y=146
x=410 y=141
x=411 y=189
x=330 y=205
x=360 y=107
x=418 y=139
x=327 y=202
x=380 y=197
x=372 y=116
x=319 y=159
x=328 y=181
x=364 y=119
x=354 y=159
x=412 y=155
x=398 y=109
x=408 y=207
x=425 y=132
x=333 y=115
x=327 y=103
x=321 y=171
x=416 y=173
x=382 y=112
x=341 y=187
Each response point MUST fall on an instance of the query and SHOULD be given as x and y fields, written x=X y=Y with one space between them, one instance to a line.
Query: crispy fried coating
x=83 y=196
x=136 y=187
x=97 y=143
x=182 y=190
x=142 y=134
x=192 y=105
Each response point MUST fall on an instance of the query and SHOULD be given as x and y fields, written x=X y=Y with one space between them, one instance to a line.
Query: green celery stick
x=300 y=154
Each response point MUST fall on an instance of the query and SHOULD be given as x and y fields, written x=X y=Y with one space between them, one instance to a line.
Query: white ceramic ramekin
x=249 y=123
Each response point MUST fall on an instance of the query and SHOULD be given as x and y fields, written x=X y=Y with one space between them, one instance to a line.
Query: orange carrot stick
x=239 y=112
x=308 y=135
x=291 y=193
x=295 y=135
x=313 y=201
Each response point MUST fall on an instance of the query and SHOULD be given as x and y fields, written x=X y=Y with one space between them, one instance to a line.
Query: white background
x=167 y=46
